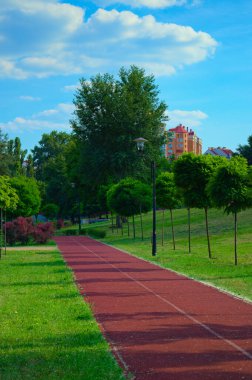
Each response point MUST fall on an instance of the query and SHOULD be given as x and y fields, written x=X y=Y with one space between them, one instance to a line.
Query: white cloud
x=72 y=87
x=188 y=118
x=29 y=98
x=44 y=38
x=44 y=121
x=22 y=124
x=143 y=3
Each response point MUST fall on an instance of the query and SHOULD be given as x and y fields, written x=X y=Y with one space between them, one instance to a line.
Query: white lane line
x=183 y=312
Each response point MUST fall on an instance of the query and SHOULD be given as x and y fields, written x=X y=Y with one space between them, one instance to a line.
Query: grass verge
x=219 y=271
x=47 y=331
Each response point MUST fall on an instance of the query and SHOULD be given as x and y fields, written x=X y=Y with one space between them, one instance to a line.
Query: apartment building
x=182 y=140
x=223 y=152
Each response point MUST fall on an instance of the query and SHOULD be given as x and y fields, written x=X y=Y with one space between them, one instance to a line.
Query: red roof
x=179 y=129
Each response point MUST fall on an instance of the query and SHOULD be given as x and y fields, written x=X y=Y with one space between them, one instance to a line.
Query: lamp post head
x=140 y=141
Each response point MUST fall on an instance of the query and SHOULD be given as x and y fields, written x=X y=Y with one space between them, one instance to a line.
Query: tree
x=5 y=158
x=200 y=168
x=182 y=177
x=29 y=197
x=168 y=196
x=246 y=150
x=109 y=115
x=8 y=201
x=17 y=155
x=53 y=160
x=228 y=189
x=8 y=195
x=50 y=210
x=128 y=197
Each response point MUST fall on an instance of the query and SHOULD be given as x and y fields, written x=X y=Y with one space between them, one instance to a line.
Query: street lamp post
x=79 y=207
x=140 y=141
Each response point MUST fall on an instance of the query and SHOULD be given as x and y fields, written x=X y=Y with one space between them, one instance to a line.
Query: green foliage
x=53 y=161
x=28 y=194
x=192 y=174
x=167 y=193
x=246 y=150
x=50 y=210
x=8 y=195
x=228 y=186
x=70 y=232
x=249 y=184
x=96 y=233
x=109 y=115
x=5 y=158
x=102 y=198
x=18 y=156
x=128 y=197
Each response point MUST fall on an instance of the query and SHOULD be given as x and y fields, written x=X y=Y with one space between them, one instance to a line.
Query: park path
x=161 y=325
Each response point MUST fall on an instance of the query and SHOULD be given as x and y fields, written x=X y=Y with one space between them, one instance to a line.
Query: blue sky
x=200 y=52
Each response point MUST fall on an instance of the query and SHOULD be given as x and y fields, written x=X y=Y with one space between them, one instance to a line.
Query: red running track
x=161 y=325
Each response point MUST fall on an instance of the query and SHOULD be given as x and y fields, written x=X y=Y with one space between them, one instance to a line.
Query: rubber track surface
x=161 y=325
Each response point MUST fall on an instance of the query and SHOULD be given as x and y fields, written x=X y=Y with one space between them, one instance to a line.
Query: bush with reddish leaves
x=19 y=230
x=22 y=230
x=11 y=236
x=43 y=232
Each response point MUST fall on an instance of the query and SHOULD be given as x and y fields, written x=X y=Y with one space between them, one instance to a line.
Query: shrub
x=94 y=232
x=11 y=235
x=83 y=231
x=70 y=232
x=22 y=230
x=19 y=230
x=43 y=232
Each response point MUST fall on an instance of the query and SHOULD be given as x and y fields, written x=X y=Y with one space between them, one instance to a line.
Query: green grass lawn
x=220 y=270
x=47 y=331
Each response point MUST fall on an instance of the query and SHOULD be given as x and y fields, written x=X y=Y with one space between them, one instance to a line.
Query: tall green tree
x=8 y=195
x=193 y=180
x=53 y=160
x=228 y=189
x=168 y=196
x=246 y=150
x=5 y=158
x=17 y=155
x=110 y=113
x=129 y=197
x=29 y=196
x=8 y=202
x=182 y=176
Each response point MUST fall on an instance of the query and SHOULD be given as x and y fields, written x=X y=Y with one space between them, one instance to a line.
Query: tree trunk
x=122 y=228
x=207 y=233
x=141 y=222
x=118 y=222
x=134 y=228
x=235 y=236
x=128 y=226
x=163 y=228
x=112 y=222
x=189 y=230
x=173 y=236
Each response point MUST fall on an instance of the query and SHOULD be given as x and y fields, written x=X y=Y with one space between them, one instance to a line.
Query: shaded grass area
x=47 y=331
x=220 y=270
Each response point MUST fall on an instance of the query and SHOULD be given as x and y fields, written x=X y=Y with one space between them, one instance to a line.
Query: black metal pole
x=154 y=235
x=79 y=213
